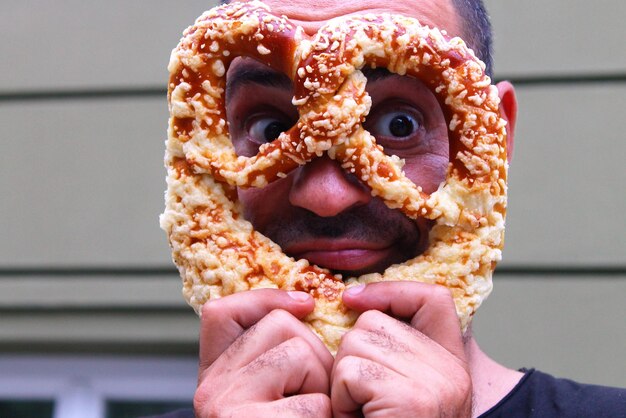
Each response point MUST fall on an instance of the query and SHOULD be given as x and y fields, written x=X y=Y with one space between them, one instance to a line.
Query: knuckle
x=212 y=309
x=349 y=339
x=204 y=405
x=463 y=386
x=301 y=354
x=440 y=293
x=282 y=320
x=324 y=408
x=295 y=350
x=427 y=402
x=310 y=405
x=345 y=368
x=320 y=405
x=299 y=346
x=446 y=397
x=199 y=400
x=280 y=316
x=367 y=318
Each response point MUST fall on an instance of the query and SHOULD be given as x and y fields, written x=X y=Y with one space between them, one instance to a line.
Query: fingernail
x=355 y=290
x=299 y=296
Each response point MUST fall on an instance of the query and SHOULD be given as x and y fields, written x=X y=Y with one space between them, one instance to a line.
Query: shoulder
x=577 y=399
x=541 y=395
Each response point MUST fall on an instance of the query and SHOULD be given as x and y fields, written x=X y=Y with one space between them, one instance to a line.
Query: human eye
x=258 y=128
x=265 y=128
x=396 y=125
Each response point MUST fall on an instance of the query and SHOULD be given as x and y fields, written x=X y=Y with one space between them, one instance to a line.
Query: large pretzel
x=219 y=253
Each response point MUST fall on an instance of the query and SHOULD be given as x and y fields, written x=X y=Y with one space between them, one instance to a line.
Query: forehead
x=312 y=14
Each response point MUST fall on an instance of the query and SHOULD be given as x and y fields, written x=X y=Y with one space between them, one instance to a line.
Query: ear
x=508 y=110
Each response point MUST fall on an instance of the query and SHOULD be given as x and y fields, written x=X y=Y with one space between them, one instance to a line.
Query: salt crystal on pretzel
x=218 y=252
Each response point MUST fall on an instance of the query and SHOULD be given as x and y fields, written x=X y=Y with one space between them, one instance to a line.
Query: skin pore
x=405 y=353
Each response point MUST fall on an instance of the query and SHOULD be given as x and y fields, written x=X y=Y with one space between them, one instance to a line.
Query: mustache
x=372 y=222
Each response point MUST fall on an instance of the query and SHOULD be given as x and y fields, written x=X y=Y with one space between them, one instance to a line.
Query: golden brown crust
x=219 y=253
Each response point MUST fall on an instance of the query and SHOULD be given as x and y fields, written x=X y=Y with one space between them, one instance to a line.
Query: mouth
x=347 y=257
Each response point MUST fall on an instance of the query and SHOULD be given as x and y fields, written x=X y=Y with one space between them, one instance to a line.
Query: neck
x=491 y=381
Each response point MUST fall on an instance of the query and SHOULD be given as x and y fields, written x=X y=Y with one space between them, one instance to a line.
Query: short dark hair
x=476 y=29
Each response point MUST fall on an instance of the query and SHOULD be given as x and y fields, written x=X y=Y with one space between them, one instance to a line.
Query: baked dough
x=219 y=253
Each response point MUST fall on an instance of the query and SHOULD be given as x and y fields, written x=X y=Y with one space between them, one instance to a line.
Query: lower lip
x=347 y=260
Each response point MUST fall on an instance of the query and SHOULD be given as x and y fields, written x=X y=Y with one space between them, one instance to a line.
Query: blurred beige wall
x=85 y=268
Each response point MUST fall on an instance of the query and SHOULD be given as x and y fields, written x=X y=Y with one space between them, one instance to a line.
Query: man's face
x=319 y=211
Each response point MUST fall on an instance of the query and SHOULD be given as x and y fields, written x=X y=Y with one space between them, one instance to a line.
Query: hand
x=404 y=357
x=258 y=359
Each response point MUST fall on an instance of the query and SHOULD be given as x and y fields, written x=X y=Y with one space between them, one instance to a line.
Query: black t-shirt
x=539 y=395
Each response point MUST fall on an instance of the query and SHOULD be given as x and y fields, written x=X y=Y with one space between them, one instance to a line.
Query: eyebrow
x=246 y=75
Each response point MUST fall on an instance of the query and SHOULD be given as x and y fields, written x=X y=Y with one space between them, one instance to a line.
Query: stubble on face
x=288 y=225
x=371 y=223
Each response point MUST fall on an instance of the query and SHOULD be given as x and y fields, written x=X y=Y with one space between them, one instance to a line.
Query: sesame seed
x=263 y=50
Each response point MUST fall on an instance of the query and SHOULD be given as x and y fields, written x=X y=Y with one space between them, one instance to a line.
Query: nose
x=325 y=189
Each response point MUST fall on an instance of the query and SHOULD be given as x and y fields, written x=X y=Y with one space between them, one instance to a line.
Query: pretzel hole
x=408 y=122
x=259 y=106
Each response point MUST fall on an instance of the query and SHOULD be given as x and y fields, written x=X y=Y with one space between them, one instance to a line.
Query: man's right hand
x=258 y=359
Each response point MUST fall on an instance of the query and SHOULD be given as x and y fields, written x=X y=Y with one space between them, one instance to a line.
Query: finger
x=224 y=320
x=299 y=406
x=273 y=329
x=289 y=368
x=366 y=388
x=386 y=341
x=395 y=345
x=428 y=307
x=356 y=382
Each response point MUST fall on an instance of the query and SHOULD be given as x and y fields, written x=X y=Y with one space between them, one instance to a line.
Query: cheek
x=262 y=206
x=428 y=167
x=428 y=171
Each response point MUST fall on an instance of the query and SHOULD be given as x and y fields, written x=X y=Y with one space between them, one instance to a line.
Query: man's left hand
x=404 y=357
